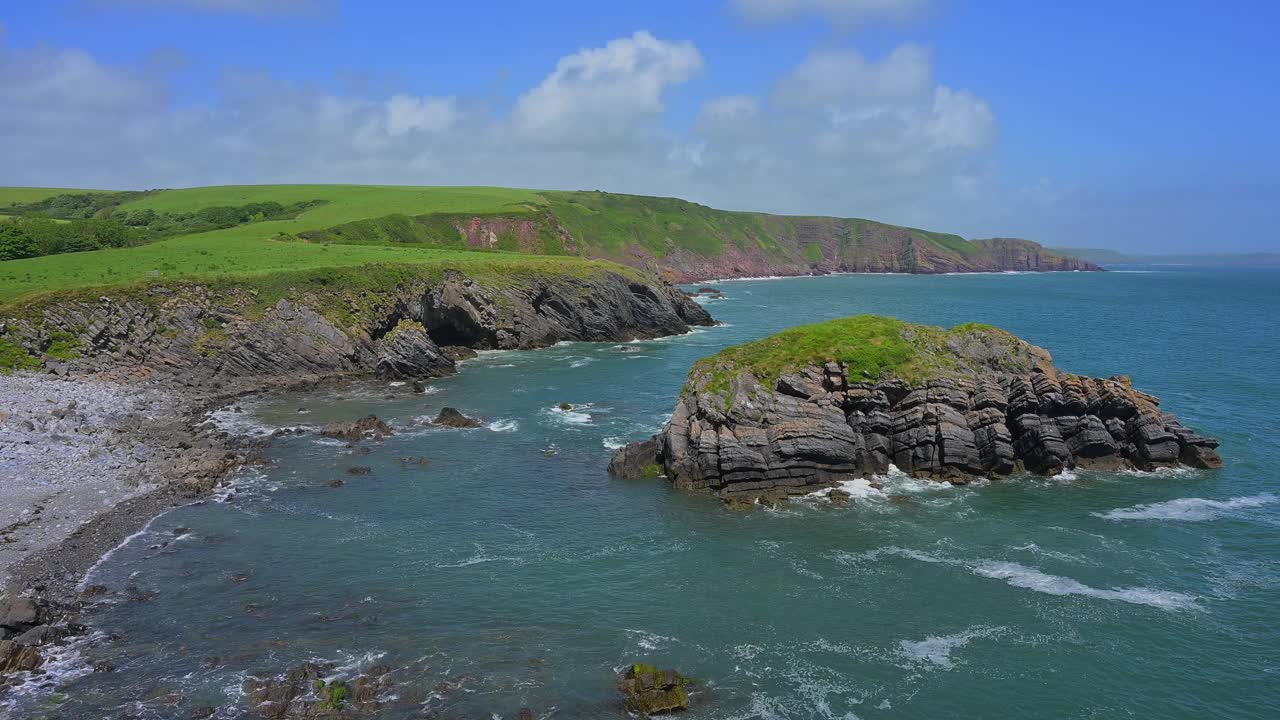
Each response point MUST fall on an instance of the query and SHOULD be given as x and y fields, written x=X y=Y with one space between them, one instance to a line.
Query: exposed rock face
x=1000 y=408
x=451 y=417
x=355 y=430
x=854 y=246
x=197 y=337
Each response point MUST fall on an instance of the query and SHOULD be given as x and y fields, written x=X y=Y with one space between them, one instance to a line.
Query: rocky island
x=817 y=404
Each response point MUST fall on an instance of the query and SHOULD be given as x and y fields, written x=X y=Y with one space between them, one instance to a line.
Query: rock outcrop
x=944 y=405
x=647 y=690
x=356 y=430
x=452 y=417
x=413 y=328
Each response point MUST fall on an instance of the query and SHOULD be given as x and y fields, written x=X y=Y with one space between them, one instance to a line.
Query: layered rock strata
x=201 y=337
x=993 y=405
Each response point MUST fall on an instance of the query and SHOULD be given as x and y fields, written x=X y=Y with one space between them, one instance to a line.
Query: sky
x=1136 y=126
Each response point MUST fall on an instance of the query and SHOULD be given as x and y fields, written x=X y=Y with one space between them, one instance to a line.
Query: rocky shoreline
x=942 y=405
x=117 y=430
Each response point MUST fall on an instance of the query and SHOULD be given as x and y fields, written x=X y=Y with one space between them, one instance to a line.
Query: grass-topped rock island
x=813 y=405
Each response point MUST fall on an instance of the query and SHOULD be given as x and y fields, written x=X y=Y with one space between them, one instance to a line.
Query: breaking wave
x=1188 y=509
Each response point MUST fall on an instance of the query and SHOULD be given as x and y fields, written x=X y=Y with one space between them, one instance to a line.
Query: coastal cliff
x=818 y=404
x=688 y=242
x=395 y=321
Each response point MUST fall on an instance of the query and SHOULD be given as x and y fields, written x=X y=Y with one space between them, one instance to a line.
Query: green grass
x=344 y=202
x=13 y=357
x=871 y=346
x=400 y=225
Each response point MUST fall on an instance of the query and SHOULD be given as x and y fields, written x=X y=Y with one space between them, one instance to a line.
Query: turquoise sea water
x=512 y=571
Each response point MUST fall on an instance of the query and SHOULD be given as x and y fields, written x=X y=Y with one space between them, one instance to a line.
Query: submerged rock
x=650 y=691
x=451 y=417
x=814 y=405
x=303 y=692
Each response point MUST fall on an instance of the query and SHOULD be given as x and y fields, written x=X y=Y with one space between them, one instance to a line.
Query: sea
x=500 y=567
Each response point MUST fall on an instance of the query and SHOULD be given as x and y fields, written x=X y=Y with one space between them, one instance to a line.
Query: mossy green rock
x=650 y=691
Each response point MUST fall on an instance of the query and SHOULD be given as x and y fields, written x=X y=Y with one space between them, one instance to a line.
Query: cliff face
x=971 y=402
x=204 y=336
x=687 y=242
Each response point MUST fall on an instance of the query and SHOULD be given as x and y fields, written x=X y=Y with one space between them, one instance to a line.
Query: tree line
x=76 y=222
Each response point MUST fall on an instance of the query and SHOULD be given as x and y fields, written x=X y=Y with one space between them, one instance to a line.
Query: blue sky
x=1135 y=126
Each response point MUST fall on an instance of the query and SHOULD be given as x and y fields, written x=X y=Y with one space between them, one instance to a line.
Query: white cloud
x=844 y=12
x=841 y=76
x=600 y=94
x=838 y=134
x=405 y=114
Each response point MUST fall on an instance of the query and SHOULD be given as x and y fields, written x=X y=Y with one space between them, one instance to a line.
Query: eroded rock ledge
x=819 y=404
x=403 y=327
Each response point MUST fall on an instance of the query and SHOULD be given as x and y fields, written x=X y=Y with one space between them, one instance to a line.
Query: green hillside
x=263 y=229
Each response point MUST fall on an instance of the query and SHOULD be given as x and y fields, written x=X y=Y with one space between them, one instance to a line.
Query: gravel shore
x=84 y=463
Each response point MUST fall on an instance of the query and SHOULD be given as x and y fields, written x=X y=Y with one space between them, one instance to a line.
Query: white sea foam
x=1032 y=579
x=572 y=416
x=613 y=443
x=479 y=557
x=936 y=650
x=581 y=362
x=397 y=383
x=1035 y=549
x=1188 y=509
x=647 y=640
x=503 y=425
x=1021 y=576
x=63 y=664
x=243 y=424
x=1177 y=471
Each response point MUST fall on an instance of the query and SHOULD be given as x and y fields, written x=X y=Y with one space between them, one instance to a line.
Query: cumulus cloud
x=843 y=12
x=839 y=133
x=263 y=8
x=844 y=134
x=602 y=94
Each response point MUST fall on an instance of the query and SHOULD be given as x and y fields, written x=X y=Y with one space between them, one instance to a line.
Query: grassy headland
x=343 y=226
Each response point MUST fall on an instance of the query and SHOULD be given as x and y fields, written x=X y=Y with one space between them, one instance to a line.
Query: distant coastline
x=1102 y=256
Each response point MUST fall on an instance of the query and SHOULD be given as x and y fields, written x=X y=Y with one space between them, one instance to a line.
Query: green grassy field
x=416 y=225
x=249 y=250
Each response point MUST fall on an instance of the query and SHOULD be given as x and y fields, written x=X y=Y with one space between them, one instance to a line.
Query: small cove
x=511 y=571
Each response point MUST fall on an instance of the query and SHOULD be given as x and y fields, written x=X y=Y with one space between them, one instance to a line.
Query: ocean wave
x=613 y=443
x=1028 y=578
x=1188 y=509
x=1022 y=576
x=581 y=362
x=503 y=425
